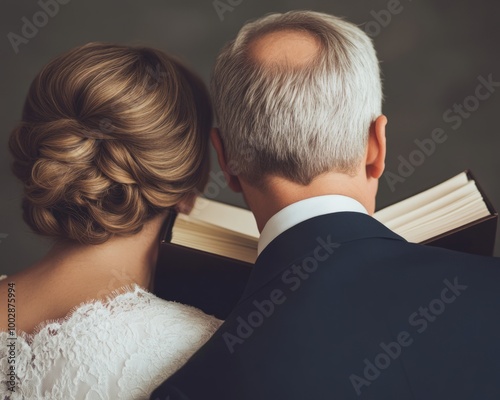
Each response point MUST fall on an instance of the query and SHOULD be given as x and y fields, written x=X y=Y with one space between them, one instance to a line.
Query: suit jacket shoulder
x=340 y=306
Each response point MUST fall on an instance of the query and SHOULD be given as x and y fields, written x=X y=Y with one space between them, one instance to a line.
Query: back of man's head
x=295 y=95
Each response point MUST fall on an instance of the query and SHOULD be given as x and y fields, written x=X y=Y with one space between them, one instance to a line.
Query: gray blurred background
x=432 y=52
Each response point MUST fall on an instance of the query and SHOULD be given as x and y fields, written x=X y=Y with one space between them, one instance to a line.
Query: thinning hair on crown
x=297 y=121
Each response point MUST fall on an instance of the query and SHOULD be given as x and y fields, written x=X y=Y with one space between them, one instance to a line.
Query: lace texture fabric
x=122 y=348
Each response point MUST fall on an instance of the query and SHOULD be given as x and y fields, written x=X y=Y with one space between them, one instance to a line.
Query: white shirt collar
x=305 y=209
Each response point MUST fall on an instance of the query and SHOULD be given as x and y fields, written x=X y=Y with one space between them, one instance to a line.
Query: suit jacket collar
x=328 y=231
x=303 y=210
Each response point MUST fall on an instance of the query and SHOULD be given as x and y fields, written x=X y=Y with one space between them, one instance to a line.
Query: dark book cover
x=204 y=280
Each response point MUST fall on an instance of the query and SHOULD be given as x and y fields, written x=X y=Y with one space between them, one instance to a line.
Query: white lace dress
x=122 y=348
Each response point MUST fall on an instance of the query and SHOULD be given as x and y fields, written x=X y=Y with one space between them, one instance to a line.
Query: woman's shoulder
x=137 y=303
x=133 y=339
x=121 y=308
x=131 y=311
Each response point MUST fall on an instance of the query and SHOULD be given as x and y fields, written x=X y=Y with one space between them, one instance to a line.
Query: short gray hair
x=297 y=122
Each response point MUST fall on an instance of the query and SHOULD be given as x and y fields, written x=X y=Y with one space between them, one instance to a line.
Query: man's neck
x=278 y=193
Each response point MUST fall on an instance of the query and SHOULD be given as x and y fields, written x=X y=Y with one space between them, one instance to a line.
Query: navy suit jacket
x=340 y=307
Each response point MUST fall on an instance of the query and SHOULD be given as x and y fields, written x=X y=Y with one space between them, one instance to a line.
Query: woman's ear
x=376 y=152
x=232 y=180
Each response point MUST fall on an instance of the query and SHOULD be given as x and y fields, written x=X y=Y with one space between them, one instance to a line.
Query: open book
x=206 y=258
x=232 y=232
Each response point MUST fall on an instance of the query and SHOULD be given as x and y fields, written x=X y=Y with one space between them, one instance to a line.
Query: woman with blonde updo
x=111 y=138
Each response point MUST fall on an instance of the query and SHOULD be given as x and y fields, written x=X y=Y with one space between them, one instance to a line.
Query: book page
x=414 y=216
x=229 y=217
x=458 y=214
x=218 y=228
x=447 y=206
x=419 y=200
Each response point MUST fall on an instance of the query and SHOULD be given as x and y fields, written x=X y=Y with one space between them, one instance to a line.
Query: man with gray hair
x=337 y=305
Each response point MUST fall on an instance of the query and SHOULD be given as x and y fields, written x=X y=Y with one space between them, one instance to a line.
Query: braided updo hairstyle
x=110 y=137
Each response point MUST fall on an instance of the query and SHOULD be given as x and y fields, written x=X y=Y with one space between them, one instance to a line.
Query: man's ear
x=375 y=155
x=232 y=180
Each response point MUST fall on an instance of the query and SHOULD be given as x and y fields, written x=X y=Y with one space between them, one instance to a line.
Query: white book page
x=191 y=225
x=190 y=237
x=461 y=213
x=439 y=205
x=214 y=244
x=412 y=203
x=223 y=215
x=218 y=228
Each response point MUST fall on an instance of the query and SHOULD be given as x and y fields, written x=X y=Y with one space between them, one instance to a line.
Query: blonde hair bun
x=110 y=137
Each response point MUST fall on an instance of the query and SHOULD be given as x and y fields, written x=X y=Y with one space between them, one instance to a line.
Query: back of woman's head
x=110 y=137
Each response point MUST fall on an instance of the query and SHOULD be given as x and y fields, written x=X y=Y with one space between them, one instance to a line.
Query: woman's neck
x=116 y=263
x=72 y=273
